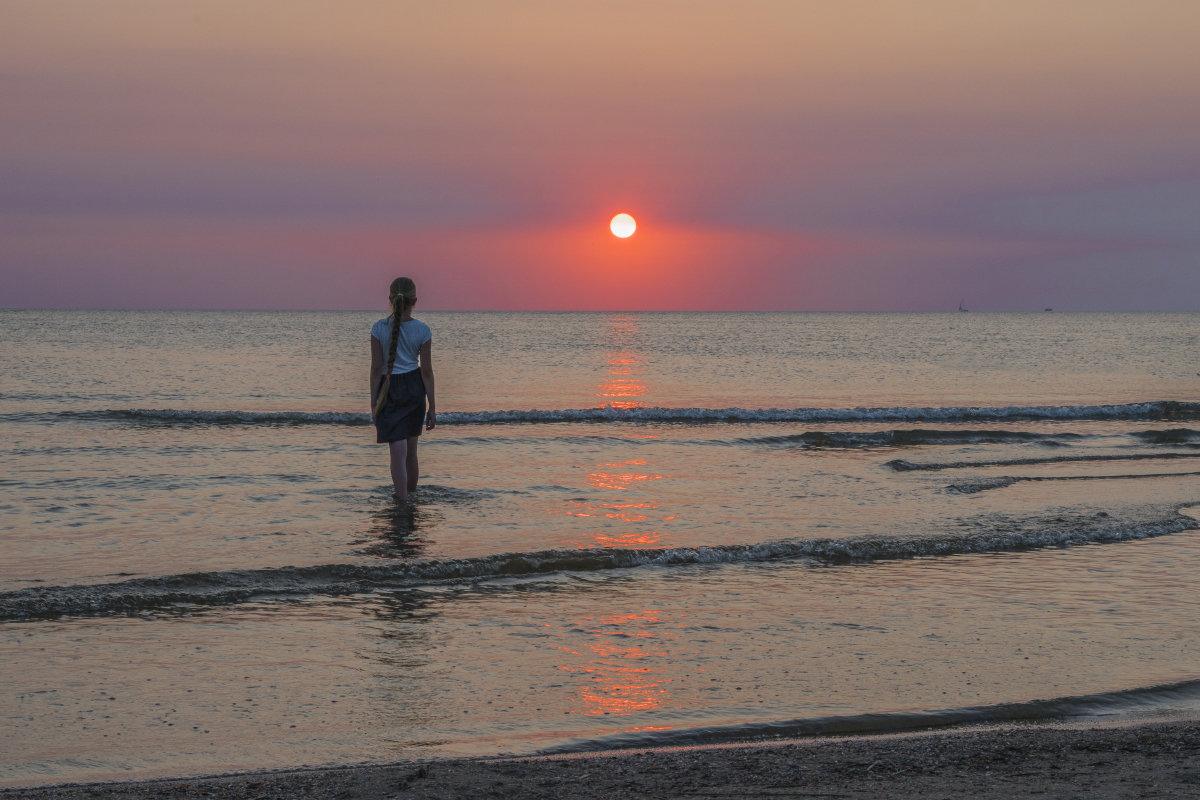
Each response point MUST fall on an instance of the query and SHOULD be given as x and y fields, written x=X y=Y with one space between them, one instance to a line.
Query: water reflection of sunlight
x=622 y=476
x=621 y=663
x=621 y=480
x=623 y=520
x=622 y=385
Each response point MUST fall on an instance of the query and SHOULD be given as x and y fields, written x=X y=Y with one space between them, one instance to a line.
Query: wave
x=1159 y=410
x=900 y=465
x=1152 y=411
x=236 y=586
x=1000 y=482
x=1172 y=436
x=833 y=440
x=1162 y=697
x=169 y=417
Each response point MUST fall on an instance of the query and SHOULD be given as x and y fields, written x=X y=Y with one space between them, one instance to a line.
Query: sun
x=623 y=226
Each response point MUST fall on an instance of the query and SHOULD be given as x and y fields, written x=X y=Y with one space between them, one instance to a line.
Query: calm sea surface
x=632 y=529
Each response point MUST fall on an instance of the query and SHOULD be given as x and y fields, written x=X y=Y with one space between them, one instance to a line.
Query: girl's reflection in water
x=397 y=531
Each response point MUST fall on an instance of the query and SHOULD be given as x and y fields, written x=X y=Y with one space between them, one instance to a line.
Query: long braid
x=397 y=310
x=400 y=297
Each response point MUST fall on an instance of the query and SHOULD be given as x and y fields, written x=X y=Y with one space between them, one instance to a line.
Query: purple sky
x=778 y=155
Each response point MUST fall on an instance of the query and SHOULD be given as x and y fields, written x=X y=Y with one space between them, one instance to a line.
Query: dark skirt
x=403 y=416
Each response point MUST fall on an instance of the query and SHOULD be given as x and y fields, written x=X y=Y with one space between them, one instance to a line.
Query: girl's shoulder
x=382 y=328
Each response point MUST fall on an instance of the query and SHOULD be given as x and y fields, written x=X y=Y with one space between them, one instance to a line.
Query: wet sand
x=1159 y=760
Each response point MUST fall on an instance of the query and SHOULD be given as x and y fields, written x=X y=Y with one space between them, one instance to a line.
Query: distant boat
x=960 y=307
x=1047 y=309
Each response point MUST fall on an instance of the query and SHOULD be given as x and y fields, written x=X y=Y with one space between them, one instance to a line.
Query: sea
x=631 y=530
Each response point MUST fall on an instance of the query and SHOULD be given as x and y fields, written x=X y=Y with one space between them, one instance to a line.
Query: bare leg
x=399 y=454
x=411 y=463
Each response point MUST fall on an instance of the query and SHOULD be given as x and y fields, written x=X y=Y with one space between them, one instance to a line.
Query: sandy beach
x=1152 y=760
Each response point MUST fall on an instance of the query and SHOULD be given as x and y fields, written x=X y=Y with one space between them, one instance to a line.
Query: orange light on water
x=644 y=539
x=622 y=384
x=619 y=511
x=620 y=394
x=621 y=662
x=630 y=513
x=620 y=481
x=621 y=388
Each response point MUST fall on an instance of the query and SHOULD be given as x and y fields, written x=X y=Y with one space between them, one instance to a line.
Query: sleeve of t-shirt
x=379 y=331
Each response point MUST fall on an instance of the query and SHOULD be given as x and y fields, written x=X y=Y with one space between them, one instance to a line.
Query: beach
x=1153 y=760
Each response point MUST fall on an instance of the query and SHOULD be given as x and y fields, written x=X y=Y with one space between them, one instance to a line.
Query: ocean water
x=631 y=530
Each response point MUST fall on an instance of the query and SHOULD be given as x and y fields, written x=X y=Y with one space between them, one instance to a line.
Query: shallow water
x=631 y=529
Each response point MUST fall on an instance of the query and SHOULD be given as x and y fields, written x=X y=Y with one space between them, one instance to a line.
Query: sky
x=777 y=154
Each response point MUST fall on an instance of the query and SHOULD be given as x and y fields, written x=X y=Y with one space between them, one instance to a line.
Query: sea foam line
x=236 y=586
x=1004 y=481
x=900 y=465
x=1159 y=410
x=912 y=437
x=169 y=417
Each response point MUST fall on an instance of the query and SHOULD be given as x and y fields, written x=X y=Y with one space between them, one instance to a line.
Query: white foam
x=235 y=586
x=1160 y=410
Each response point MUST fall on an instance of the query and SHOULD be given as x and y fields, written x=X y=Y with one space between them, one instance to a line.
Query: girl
x=398 y=393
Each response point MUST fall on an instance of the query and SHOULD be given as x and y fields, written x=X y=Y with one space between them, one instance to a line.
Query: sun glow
x=623 y=225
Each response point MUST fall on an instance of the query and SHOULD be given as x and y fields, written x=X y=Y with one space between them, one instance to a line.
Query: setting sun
x=623 y=226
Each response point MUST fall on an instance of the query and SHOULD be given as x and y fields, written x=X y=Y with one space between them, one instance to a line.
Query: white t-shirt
x=413 y=334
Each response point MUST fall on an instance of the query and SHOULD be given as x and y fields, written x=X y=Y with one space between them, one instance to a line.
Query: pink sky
x=778 y=155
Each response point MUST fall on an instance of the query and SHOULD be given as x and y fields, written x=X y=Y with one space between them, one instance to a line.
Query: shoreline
x=1095 y=760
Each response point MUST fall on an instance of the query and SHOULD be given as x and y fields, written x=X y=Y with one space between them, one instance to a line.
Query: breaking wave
x=1172 y=436
x=1000 y=482
x=235 y=586
x=169 y=417
x=1153 y=411
x=901 y=465
x=816 y=440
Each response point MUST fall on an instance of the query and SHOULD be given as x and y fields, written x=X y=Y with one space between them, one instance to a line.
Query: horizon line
x=263 y=310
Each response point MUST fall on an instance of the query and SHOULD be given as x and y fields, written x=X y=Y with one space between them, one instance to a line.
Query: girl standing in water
x=398 y=392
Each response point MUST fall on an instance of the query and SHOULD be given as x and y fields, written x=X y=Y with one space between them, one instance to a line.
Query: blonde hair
x=403 y=296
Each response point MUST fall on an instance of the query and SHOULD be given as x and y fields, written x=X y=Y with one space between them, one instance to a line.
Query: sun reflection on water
x=621 y=663
x=622 y=384
x=618 y=475
x=622 y=656
x=624 y=513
